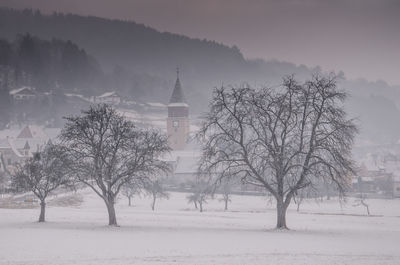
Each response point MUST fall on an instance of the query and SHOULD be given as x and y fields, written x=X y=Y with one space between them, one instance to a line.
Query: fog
x=199 y=132
x=358 y=37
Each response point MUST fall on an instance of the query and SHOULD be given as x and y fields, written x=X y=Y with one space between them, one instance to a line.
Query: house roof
x=77 y=96
x=109 y=94
x=155 y=104
x=22 y=91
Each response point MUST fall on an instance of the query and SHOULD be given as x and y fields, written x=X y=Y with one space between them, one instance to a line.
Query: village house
x=27 y=141
x=23 y=94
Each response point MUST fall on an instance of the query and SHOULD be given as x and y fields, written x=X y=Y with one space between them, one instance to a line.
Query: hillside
x=140 y=63
x=134 y=49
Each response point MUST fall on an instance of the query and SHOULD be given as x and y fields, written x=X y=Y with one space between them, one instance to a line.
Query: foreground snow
x=325 y=233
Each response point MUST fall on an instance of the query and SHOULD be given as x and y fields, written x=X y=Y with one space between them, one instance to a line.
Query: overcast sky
x=360 y=37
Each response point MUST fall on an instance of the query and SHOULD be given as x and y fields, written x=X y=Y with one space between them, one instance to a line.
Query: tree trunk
x=42 y=211
x=226 y=205
x=129 y=201
x=112 y=218
x=153 y=204
x=281 y=208
x=201 y=206
x=195 y=204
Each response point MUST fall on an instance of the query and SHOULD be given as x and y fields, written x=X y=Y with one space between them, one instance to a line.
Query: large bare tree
x=109 y=151
x=282 y=139
x=43 y=173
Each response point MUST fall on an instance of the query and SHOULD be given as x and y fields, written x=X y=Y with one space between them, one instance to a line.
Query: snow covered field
x=325 y=233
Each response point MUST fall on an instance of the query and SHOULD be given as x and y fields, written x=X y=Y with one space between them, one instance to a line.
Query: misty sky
x=360 y=37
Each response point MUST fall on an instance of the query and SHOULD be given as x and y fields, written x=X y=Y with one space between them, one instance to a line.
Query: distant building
x=178 y=118
x=23 y=94
x=29 y=140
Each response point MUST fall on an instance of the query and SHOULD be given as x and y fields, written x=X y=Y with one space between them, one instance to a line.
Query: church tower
x=178 y=118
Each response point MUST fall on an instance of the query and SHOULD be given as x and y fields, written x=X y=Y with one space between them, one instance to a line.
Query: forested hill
x=140 y=63
x=47 y=65
x=131 y=49
x=128 y=44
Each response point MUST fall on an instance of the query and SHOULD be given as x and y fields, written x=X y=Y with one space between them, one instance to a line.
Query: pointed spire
x=177 y=95
x=27 y=146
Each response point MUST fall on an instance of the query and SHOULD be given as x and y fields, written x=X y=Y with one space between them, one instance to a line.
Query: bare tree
x=3 y=181
x=225 y=188
x=109 y=151
x=156 y=190
x=281 y=139
x=201 y=192
x=129 y=190
x=43 y=173
x=302 y=194
x=362 y=197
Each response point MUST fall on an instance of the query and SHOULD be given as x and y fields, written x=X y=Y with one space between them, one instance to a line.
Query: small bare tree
x=43 y=173
x=201 y=192
x=156 y=190
x=129 y=190
x=225 y=188
x=109 y=151
x=281 y=139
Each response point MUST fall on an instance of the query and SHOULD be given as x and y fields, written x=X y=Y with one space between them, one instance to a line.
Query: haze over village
x=190 y=136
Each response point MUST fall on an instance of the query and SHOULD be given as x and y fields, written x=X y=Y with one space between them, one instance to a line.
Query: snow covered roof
x=109 y=94
x=72 y=95
x=178 y=104
x=23 y=90
x=156 y=104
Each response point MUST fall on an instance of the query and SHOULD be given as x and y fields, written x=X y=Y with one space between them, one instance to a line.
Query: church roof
x=177 y=95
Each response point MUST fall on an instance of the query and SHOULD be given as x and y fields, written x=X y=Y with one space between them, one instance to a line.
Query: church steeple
x=178 y=117
x=177 y=95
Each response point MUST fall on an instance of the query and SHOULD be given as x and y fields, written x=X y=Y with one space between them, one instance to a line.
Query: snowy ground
x=326 y=233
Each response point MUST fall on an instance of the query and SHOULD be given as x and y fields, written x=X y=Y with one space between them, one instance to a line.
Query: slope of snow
x=324 y=233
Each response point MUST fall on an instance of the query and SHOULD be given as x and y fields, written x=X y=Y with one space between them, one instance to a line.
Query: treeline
x=142 y=60
x=48 y=65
